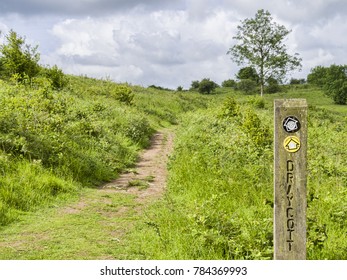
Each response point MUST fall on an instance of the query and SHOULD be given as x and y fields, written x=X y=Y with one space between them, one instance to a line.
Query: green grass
x=78 y=137
x=218 y=204
x=220 y=193
x=90 y=230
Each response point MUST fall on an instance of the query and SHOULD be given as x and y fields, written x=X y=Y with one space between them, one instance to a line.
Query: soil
x=147 y=180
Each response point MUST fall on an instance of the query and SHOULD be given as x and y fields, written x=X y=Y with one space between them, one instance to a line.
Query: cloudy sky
x=168 y=42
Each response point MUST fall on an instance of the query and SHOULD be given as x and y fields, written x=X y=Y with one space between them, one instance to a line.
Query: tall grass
x=220 y=193
x=52 y=143
x=218 y=202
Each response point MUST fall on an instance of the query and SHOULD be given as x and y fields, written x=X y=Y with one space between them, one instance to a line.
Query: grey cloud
x=80 y=7
x=159 y=47
x=100 y=59
x=167 y=42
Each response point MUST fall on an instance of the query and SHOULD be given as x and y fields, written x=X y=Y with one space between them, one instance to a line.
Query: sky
x=168 y=43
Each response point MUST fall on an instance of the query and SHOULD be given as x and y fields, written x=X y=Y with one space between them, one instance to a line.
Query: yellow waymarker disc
x=292 y=144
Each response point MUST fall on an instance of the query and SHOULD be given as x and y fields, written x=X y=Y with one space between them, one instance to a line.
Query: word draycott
x=289 y=208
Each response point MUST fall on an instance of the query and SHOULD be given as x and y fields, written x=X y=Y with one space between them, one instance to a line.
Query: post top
x=294 y=102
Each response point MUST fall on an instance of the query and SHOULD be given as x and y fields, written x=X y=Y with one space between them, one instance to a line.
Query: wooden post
x=290 y=179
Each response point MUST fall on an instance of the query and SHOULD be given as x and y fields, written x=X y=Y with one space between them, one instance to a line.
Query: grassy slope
x=218 y=204
x=53 y=144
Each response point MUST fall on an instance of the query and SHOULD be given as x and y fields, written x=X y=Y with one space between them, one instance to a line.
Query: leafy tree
x=195 y=85
x=333 y=80
x=229 y=83
x=317 y=76
x=247 y=86
x=336 y=83
x=272 y=85
x=18 y=58
x=206 y=86
x=261 y=46
x=248 y=73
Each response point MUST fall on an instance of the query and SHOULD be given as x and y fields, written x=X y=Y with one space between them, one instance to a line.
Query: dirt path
x=148 y=178
x=96 y=225
x=146 y=181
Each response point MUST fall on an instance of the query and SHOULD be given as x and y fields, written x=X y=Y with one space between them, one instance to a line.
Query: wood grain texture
x=290 y=161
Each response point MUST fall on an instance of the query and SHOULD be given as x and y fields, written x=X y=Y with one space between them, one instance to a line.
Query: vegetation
x=62 y=135
x=18 y=58
x=229 y=83
x=60 y=141
x=220 y=194
x=333 y=80
x=205 y=86
x=261 y=46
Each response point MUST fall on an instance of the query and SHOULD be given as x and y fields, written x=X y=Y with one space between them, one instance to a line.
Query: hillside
x=53 y=143
x=57 y=146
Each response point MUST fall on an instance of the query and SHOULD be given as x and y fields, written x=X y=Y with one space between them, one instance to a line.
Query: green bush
x=206 y=86
x=272 y=86
x=257 y=102
x=19 y=58
x=57 y=77
x=247 y=86
x=333 y=80
x=123 y=94
x=230 y=108
x=229 y=83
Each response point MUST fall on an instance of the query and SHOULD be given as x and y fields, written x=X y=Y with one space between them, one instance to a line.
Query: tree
x=195 y=85
x=317 y=76
x=206 y=86
x=229 y=83
x=248 y=86
x=248 y=73
x=261 y=46
x=18 y=57
x=333 y=80
x=272 y=85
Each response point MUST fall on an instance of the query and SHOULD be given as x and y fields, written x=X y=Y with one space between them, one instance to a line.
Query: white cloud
x=161 y=47
x=168 y=43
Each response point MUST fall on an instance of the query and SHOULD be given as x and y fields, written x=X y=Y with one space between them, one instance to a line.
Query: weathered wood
x=290 y=157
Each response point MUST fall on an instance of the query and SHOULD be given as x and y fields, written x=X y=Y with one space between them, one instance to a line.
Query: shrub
x=272 y=86
x=19 y=58
x=195 y=85
x=123 y=94
x=317 y=76
x=56 y=75
x=229 y=83
x=258 y=132
x=230 y=108
x=257 y=102
x=247 y=86
x=336 y=83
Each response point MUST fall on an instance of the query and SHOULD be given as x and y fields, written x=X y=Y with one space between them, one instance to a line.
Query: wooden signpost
x=290 y=179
